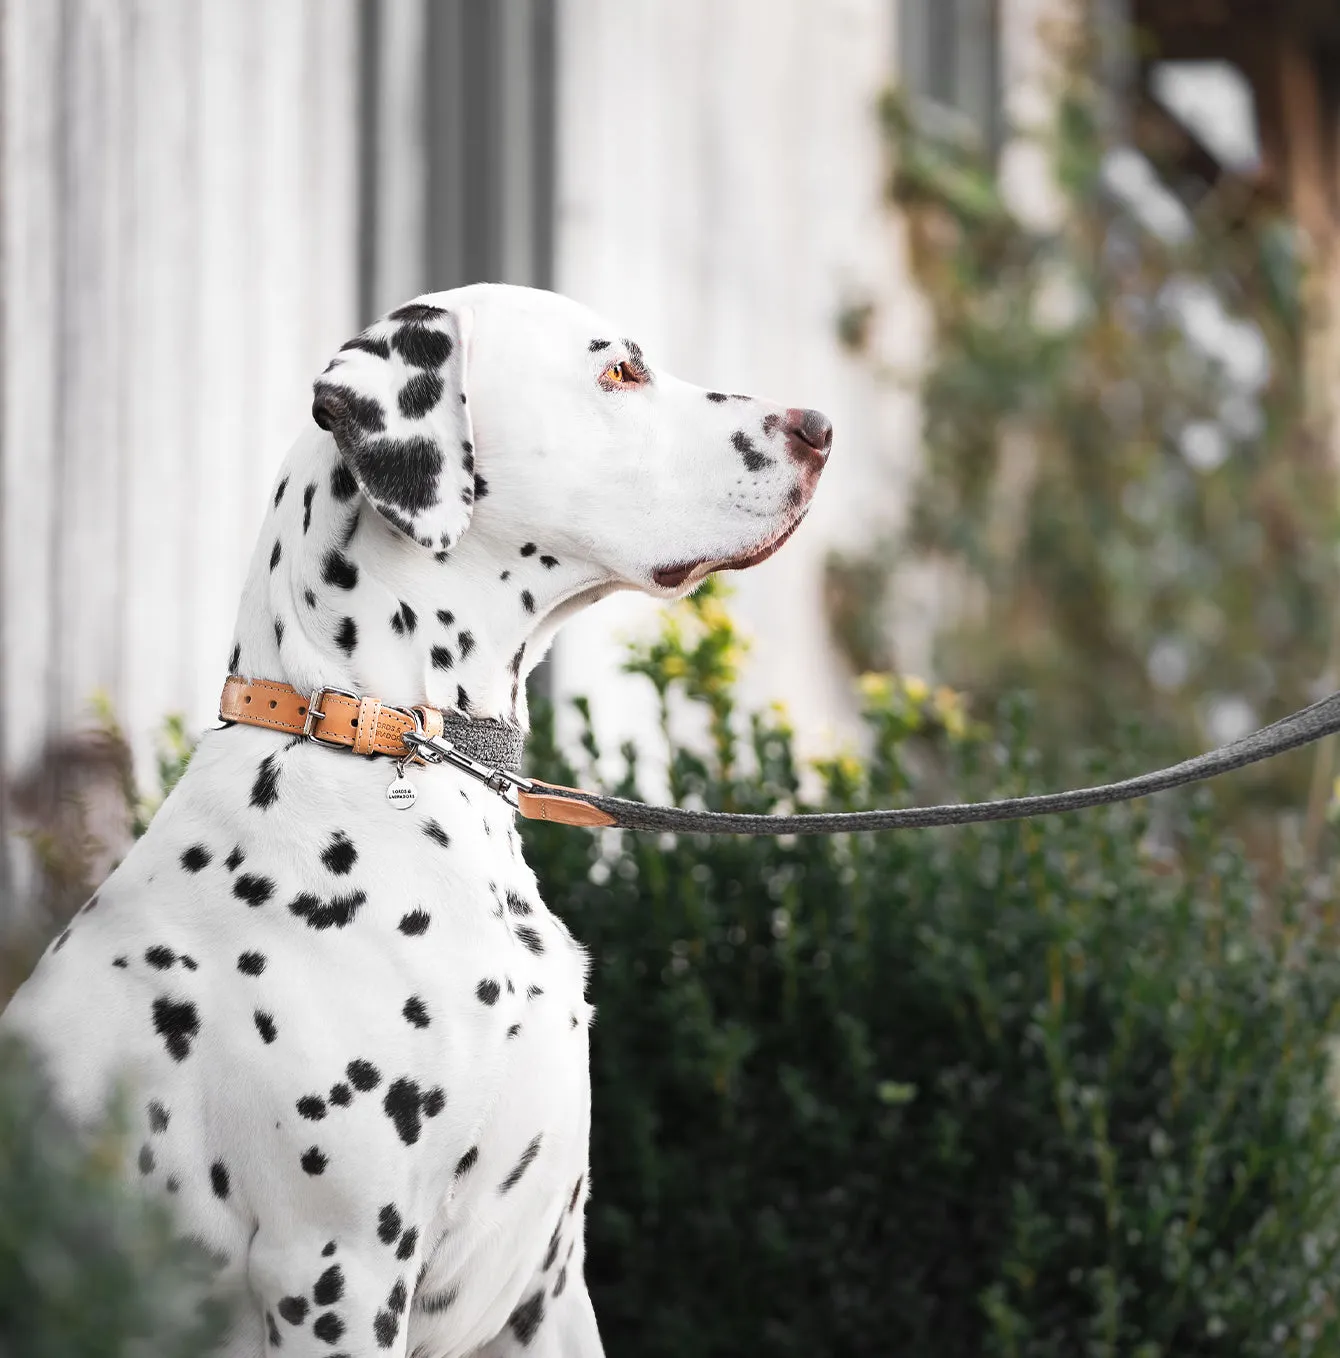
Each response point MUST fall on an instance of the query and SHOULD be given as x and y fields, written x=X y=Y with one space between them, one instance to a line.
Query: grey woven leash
x=485 y=740
x=545 y=801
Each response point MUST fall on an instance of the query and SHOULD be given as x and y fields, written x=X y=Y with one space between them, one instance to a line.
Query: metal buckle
x=309 y=721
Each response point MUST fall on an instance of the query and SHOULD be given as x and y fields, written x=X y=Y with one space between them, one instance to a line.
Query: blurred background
x=1065 y=274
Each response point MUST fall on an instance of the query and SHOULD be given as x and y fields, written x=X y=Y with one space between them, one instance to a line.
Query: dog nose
x=809 y=435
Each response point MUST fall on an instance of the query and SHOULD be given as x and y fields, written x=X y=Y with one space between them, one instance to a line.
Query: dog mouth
x=673 y=577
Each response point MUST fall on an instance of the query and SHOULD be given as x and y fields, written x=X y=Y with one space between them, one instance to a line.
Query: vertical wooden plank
x=159 y=330
x=87 y=390
x=29 y=219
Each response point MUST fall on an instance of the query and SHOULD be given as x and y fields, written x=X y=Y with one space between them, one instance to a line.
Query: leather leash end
x=548 y=802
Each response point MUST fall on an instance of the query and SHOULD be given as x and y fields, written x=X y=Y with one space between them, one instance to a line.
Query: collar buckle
x=313 y=714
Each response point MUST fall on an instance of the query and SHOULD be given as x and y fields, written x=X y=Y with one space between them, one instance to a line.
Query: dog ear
x=394 y=397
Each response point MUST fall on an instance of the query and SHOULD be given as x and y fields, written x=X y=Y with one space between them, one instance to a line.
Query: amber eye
x=618 y=374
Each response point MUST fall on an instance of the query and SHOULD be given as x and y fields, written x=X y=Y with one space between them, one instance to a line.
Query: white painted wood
x=720 y=180
x=178 y=210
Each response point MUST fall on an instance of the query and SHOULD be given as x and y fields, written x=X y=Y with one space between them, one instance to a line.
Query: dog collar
x=334 y=716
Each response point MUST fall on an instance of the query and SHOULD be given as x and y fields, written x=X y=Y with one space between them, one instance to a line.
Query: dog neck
x=338 y=598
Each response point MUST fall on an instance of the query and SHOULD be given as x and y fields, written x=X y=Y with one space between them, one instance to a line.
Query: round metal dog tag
x=401 y=793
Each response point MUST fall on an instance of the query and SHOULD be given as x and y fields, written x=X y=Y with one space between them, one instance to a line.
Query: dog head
x=563 y=432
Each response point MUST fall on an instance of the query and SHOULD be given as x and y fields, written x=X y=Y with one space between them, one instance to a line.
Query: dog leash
x=490 y=752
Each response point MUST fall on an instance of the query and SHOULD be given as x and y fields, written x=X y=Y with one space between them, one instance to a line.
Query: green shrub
x=87 y=1270
x=1023 y=1089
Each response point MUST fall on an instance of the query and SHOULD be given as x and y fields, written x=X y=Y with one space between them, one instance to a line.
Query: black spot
x=407 y=1244
x=173 y=1183
x=533 y=992
x=434 y=1101
x=437 y=1302
x=272 y=1330
x=436 y=833
x=467 y=1161
x=441 y=658
x=420 y=395
x=415 y=1012
x=92 y=903
x=339 y=855
x=517 y=904
x=338 y=570
x=415 y=311
x=146 y=1159
x=576 y=1193
x=329 y=1287
x=310 y=598
x=388 y=1224
x=313 y=1162
x=234 y=658
x=337 y=406
x=462 y=698
x=597 y=345
x=405 y=620
x=530 y=938
x=218 y=1178
x=275 y=554
x=561 y=1282
x=279 y=631
x=445 y=617
x=529 y=549
x=754 y=460
x=416 y=922
x=363 y=1075
x=342 y=484
x=527 y=601
x=385 y=1328
x=312 y=1107
x=341 y=1095
x=307 y=497
x=195 y=858
x=555 y=1241
x=61 y=941
x=525 y=1321
x=158 y=1116
x=159 y=957
x=466 y=642
x=347 y=637
x=234 y=860
x=265 y=790
x=279 y=493
x=401 y=1105
x=188 y=962
x=522 y=1165
x=254 y=890
x=293 y=1309
x=337 y=913
x=505 y=576
x=481 y=487
x=515 y=663
x=328 y=1327
x=177 y=1023
x=370 y=344
x=328 y=1249
x=421 y=347
x=396 y=1301
x=716 y=397
x=265 y=1026
x=549 y=562
x=250 y=963
x=514 y=1030
x=488 y=991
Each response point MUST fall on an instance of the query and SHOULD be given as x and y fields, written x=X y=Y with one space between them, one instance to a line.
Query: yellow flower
x=917 y=690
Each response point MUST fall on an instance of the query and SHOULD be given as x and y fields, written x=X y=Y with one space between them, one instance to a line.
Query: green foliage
x=1029 y=1090
x=86 y=1269
x=1119 y=463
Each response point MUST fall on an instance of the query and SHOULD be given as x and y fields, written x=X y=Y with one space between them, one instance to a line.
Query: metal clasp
x=439 y=750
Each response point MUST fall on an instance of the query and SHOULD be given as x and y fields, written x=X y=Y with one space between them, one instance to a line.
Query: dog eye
x=618 y=374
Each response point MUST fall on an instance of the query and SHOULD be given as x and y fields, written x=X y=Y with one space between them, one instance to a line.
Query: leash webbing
x=545 y=801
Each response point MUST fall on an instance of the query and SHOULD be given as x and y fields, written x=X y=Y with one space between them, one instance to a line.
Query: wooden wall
x=178 y=258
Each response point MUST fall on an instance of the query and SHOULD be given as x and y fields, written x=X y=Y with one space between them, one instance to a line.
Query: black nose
x=811 y=430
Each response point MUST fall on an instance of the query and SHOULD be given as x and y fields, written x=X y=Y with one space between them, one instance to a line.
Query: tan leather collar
x=364 y=725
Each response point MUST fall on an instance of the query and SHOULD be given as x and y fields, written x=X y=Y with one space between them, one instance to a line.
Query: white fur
x=591 y=488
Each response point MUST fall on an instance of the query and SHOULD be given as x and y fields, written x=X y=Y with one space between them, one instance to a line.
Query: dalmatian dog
x=351 y=1039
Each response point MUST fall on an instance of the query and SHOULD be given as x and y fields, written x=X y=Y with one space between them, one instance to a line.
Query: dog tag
x=401 y=793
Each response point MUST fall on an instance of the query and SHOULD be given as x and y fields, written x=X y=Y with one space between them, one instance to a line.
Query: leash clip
x=439 y=750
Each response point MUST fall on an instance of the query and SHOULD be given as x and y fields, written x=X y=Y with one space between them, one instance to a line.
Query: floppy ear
x=394 y=398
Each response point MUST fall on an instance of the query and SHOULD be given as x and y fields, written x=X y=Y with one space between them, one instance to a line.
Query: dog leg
x=320 y=1300
x=554 y=1320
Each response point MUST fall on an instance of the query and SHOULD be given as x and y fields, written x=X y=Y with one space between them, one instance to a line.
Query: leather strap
x=366 y=726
